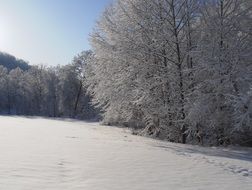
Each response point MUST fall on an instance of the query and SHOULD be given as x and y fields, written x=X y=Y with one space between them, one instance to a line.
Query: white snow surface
x=46 y=154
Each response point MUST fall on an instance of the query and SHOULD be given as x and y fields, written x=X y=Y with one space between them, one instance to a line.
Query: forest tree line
x=44 y=91
x=179 y=70
x=11 y=62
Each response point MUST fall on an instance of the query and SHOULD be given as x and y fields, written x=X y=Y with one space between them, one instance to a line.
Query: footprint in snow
x=71 y=137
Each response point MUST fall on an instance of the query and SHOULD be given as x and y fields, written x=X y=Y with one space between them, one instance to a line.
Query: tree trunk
x=179 y=66
x=77 y=99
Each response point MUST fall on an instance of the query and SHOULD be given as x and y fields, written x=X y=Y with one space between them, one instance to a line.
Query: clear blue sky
x=47 y=31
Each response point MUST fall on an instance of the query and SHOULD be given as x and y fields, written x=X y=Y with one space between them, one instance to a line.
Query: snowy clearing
x=39 y=153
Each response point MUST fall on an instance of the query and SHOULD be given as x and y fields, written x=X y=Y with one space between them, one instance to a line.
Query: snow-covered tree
x=223 y=70
x=54 y=91
x=174 y=67
x=3 y=89
x=142 y=49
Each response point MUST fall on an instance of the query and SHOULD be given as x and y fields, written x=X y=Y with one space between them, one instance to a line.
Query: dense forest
x=179 y=70
x=11 y=62
x=42 y=91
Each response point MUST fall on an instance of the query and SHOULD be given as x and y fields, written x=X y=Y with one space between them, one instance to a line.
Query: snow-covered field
x=43 y=154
